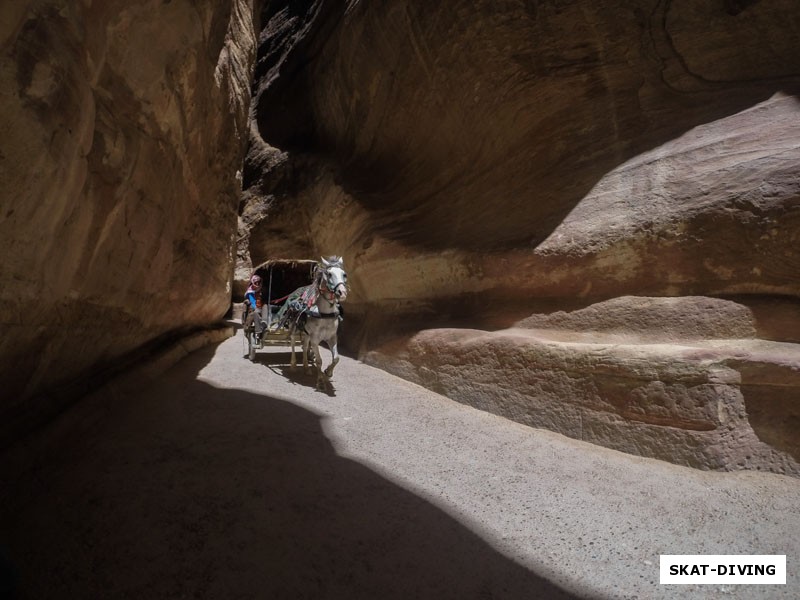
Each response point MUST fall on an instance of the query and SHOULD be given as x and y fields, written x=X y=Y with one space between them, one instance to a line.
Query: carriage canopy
x=281 y=276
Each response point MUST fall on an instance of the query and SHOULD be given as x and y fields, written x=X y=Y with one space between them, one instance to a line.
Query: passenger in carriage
x=256 y=303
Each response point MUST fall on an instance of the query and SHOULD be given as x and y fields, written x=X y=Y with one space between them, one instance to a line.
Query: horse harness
x=330 y=296
x=322 y=315
x=302 y=307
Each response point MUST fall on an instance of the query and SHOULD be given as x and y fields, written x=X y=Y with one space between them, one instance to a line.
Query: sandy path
x=229 y=479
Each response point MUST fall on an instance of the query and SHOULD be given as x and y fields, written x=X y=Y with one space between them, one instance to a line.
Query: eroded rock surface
x=123 y=128
x=682 y=381
x=478 y=163
x=563 y=151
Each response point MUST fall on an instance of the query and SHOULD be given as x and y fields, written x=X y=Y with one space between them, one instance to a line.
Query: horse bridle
x=329 y=294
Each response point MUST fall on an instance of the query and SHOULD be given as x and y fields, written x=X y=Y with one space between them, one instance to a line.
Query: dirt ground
x=230 y=479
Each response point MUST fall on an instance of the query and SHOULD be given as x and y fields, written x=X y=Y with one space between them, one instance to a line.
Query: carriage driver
x=253 y=298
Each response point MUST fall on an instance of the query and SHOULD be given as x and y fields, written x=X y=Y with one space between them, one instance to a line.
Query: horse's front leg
x=293 y=362
x=306 y=345
x=332 y=342
x=321 y=379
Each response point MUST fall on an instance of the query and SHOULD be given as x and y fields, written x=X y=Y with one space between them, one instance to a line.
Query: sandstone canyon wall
x=601 y=196
x=123 y=127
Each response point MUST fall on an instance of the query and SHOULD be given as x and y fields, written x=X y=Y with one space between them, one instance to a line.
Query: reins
x=279 y=300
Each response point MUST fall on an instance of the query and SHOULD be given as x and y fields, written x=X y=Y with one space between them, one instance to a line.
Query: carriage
x=280 y=278
x=305 y=300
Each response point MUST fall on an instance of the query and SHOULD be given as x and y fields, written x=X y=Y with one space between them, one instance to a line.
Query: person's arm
x=251 y=299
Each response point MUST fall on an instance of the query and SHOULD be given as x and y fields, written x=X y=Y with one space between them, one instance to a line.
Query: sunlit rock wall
x=122 y=130
x=482 y=163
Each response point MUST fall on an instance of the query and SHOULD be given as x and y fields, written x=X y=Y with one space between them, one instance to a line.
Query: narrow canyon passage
x=581 y=218
x=232 y=479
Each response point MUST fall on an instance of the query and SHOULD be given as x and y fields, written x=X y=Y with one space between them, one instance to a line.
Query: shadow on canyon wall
x=774 y=416
x=193 y=491
x=440 y=161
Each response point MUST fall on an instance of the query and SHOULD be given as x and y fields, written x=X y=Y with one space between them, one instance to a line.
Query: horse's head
x=333 y=277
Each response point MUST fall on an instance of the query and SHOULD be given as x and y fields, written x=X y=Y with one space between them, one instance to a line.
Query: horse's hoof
x=322 y=381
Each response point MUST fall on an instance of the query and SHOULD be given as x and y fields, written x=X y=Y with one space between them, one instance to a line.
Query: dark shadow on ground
x=299 y=376
x=279 y=363
x=190 y=491
x=273 y=358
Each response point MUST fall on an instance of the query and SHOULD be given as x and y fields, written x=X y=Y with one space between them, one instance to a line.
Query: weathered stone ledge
x=710 y=404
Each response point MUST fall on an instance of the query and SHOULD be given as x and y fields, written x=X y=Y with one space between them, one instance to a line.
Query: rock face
x=590 y=149
x=123 y=128
x=684 y=382
x=482 y=163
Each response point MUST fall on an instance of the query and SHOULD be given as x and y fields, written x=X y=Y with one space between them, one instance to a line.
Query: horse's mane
x=332 y=261
x=325 y=263
x=306 y=296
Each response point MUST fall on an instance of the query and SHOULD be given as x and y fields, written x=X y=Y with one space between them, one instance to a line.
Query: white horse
x=314 y=311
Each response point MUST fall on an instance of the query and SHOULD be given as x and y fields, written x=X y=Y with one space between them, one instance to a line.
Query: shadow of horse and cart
x=293 y=311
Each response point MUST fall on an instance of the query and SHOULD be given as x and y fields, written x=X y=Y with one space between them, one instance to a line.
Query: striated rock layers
x=122 y=131
x=698 y=391
x=483 y=163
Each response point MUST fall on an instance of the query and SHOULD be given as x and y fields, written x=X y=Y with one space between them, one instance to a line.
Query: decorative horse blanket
x=297 y=303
